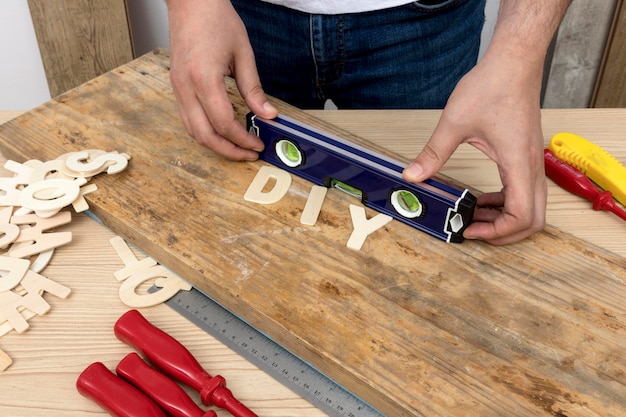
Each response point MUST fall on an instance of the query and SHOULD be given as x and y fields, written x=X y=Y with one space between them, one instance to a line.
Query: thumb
x=435 y=153
x=252 y=92
x=258 y=103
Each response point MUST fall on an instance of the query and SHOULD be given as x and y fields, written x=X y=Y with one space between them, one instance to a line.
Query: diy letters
x=278 y=181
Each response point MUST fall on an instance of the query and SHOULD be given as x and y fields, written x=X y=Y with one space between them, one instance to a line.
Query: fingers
x=209 y=118
x=226 y=128
x=510 y=215
x=435 y=153
x=213 y=123
x=222 y=142
x=500 y=116
x=504 y=217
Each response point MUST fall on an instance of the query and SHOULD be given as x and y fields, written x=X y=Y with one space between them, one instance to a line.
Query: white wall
x=491 y=14
x=23 y=82
x=22 y=78
x=148 y=21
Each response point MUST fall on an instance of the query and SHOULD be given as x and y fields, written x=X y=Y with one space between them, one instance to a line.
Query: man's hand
x=208 y=42
x=495 y=107
x=498 y=116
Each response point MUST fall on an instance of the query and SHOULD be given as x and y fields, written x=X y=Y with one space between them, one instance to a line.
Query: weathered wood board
x=610 y=85
x=415 y=326
x=80 y=39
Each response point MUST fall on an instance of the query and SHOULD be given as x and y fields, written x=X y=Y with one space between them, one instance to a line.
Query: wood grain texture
x=80 y=39
x=413 y=325
x=578 y=53
x=610 y=89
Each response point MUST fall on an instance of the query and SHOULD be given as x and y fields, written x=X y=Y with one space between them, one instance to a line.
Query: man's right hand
x=209 y=41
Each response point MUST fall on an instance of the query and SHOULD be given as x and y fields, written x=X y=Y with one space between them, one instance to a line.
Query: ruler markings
x=287 y=368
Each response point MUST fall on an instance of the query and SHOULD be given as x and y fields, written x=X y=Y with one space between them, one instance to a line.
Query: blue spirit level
x=434 y=206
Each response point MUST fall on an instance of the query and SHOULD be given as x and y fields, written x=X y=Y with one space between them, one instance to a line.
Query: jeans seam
x=341 y=46
x=318 y=89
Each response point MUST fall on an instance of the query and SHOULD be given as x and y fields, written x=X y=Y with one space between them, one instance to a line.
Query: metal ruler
x=284 y=366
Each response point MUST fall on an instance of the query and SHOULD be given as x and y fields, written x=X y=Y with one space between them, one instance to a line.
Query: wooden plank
x=610 y=89
x=80 y=39
x=413 y=325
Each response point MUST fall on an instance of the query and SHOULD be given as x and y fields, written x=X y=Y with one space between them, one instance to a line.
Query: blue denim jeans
x=405 y=57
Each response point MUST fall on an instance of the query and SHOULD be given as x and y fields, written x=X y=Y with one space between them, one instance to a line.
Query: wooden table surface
x=78 y=330
x=60 y=344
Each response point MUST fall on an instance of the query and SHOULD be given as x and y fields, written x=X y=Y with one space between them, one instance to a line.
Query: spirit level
x=433 y=206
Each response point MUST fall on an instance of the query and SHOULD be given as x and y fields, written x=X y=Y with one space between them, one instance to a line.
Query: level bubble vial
x=289 y=153
x=348 y=189
x=406 y=204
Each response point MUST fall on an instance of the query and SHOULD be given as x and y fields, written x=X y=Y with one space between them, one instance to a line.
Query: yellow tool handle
x=593 y=161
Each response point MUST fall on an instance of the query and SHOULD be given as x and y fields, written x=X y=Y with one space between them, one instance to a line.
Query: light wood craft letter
x=133 y=265
x=313 y=205
x=8 y=232
x=255 y=191
x=5 y=360
x=364 y=227
x=166 y=280
x=41 y=242
x=12 y=271
x=35 y=285
x=80 y=204
x=137 y=272
x=84 y=165
x=9 y=192
x=49 y=196
x=46 y=170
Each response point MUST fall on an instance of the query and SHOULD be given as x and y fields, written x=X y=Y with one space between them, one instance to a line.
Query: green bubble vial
x=406 y=203
x=289 y=153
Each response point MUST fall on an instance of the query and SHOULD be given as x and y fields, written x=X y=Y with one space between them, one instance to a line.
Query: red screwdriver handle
x=223 y=398
x=171 y=357
x=163 y=391
x=574 y=181
x=161 y=349
x=116 y=396
x=604 y=201
x=568 y=177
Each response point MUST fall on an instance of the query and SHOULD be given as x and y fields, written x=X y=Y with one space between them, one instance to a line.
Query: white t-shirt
x=338 y=7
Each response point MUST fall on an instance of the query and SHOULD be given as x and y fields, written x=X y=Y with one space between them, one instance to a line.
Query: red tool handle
x=161 y=349
x=163 y=391
x=574 y=181
x=171 y=357
x=116 y=396
x=224 y=398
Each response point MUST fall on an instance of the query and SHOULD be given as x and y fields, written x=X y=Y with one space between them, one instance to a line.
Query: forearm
x=525 y=28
